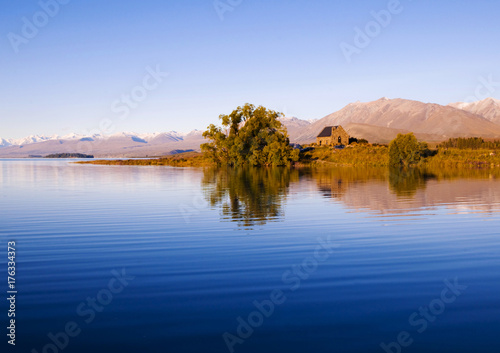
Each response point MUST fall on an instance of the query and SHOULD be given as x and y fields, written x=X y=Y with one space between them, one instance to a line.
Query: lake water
x=158 y=259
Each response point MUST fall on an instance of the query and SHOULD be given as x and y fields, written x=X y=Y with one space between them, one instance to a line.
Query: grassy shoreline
x=356 y=155
x=188 y=159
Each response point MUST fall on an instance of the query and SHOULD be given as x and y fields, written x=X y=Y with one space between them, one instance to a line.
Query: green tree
x=249 y=136
x=474 y=143
x=405 y=150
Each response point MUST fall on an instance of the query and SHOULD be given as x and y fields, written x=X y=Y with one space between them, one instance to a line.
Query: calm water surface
x=353 y=258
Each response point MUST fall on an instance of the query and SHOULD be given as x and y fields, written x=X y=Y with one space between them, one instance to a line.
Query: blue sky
x=285 y=55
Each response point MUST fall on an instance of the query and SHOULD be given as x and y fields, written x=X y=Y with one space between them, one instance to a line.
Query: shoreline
x=355 y=156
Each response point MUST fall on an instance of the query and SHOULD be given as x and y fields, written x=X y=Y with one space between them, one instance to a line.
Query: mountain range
x=379 y=122
x=124 y=144
x=488 y=108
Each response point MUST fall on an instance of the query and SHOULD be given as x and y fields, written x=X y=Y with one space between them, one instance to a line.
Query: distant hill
x=123 y=144
x=380 y=134
x=294 y=125
x=488 y=108
x=435 y=121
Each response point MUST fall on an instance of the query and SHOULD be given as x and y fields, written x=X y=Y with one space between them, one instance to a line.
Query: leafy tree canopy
x=474 y=143
x=405 y=150
x=249 y=136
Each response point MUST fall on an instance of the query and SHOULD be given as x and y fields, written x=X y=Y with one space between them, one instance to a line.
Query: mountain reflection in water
x=255 y=196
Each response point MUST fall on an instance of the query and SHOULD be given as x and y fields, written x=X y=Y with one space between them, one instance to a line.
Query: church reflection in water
x=255 y=196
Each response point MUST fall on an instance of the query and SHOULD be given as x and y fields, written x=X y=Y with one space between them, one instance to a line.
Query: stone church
x=333 y=136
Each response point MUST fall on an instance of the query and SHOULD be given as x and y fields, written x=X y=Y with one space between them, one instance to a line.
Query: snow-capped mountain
x=165 y=136
x=24 y=141
x=4 y=142
x=122 y=144
x=193 y=134
x=489 y=108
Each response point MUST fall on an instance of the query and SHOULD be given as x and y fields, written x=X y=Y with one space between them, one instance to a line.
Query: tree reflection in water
x=255 y=196
x=406 y=181
x=248 y=196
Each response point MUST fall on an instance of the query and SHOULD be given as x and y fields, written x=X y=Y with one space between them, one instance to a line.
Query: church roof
x=327 y=131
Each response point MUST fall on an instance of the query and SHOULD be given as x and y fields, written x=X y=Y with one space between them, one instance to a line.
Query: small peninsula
x=69 y=155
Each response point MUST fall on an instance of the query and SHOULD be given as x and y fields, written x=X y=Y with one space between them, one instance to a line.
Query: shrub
x=405 y=151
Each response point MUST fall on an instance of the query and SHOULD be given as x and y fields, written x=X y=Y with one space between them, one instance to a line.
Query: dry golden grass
x=357 y=155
